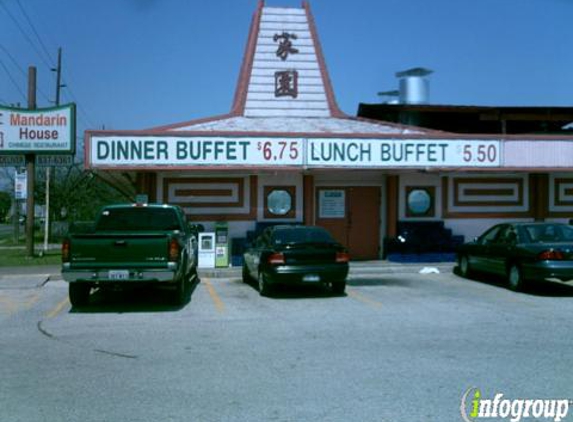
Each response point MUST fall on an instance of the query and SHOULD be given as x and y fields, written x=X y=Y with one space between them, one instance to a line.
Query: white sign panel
x=194 y=151
x=380 y=153
x=37 y=131
x=109 y=151
x=20 y=185
x=332 y=204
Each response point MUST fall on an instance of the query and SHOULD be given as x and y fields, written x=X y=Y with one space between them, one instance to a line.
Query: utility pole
x=59 y=85
x=17 y=206
x=30 y=170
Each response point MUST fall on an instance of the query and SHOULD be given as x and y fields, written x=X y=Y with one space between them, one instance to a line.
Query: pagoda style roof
x=284 y=86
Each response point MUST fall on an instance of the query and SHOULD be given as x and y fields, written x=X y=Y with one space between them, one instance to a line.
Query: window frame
x=291 y=190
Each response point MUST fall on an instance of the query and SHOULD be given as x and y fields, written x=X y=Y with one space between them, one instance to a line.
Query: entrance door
x=352 y=215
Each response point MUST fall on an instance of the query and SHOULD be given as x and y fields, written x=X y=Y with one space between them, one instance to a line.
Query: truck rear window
x=138 y=219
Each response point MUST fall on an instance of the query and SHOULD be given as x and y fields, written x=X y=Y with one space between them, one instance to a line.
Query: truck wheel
x=79 y=294
x=179 y=296
x=193 y=276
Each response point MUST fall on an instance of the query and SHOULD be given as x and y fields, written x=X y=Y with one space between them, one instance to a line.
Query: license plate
x=118 y=275
x=311 y=278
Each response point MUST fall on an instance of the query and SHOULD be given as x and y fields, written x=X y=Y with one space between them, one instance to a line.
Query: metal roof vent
x=414 y=86
x=390 y=97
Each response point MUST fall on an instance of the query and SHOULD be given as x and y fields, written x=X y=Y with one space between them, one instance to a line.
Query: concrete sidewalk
x=36 y=276
x=357 y=269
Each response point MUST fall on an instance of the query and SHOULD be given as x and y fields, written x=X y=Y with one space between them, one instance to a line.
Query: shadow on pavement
x=380 y=281
x=540 y=288
x=135 y=299
x=311 y=291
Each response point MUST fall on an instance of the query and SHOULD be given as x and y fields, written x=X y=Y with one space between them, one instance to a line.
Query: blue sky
x=135 y=64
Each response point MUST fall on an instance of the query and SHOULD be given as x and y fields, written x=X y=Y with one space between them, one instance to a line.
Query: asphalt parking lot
x=396 y=347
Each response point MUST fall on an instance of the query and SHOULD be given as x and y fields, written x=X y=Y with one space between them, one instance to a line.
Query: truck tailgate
x=119 y=250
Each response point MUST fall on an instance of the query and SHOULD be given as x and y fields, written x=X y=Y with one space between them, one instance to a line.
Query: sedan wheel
x=515 y=278
x=465 y=269
x=264 y=287
x=246 y=275
x=338 y=287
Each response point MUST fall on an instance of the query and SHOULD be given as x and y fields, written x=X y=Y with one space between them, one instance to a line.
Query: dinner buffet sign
x=108 y=151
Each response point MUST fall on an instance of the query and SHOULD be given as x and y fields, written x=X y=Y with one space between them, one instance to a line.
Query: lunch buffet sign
x=109 y=151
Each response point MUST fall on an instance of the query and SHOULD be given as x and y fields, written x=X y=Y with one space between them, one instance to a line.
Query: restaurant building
x=285 y=154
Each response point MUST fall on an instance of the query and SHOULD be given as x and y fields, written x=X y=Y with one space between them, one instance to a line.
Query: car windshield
x=547 y=233
x=129 y=219
x=303 y=235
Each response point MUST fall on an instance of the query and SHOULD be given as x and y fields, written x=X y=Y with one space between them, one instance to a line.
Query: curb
x=357 y=270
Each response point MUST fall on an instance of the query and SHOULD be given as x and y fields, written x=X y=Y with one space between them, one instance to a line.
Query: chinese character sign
x=285 y=45
x=286 y=83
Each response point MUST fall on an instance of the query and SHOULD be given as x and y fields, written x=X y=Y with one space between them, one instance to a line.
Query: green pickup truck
x=131 y=244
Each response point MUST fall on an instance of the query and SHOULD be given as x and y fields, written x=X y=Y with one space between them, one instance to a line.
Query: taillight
x=551 y=255
x=276 y=259
x=174 y=250
x=66 y=251
x=342 y=257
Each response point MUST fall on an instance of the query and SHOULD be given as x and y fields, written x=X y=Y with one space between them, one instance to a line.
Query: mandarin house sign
x=49 y=130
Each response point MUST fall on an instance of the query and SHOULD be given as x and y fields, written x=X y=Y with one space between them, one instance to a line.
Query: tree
x=76 y=194
x=5 y=205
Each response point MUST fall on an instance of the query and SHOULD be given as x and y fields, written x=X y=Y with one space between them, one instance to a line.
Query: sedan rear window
x=301 y=235
x=548 y=233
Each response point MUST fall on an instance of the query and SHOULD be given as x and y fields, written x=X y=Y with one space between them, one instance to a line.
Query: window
x=548 y=233
x=280 y=201
x=508 y=235
x=490 y=236
x=138 y=218
x=420 y=201
x=301 y=235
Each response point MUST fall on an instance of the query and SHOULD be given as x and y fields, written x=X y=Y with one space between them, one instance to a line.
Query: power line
x=34 y=30
x=12 y=79
x=82 y=112
x=46 y=62
x=22 y=71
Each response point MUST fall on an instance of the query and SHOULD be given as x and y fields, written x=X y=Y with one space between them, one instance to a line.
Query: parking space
x=230 y=354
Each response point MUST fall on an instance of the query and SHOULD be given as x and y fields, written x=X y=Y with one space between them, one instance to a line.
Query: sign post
x=30 y=170
x=32 y=133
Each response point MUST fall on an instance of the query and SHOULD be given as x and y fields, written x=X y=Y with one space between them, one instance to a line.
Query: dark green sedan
x=521 y=252
x=296 y=254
